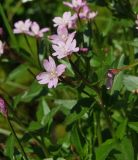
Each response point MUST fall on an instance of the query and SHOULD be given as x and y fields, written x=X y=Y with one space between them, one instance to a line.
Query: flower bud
x=110 y=77
x=3 y=107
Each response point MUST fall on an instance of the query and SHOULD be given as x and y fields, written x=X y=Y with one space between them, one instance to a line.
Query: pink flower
x=1 y=48
x=86 y=13
x=35 y=30
x=61 y=36
x=66 y=20
x=76 y=4
x=64 y=49
x=52 y=73
x=3 y=108
x=22 y=27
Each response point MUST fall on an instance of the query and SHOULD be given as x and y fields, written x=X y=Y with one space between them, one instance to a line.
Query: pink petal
x=67 y=15
x=44 y=30
x=57 y=21
x=60 y=69
x=17 y=24
x=70 y=38
x=92 y=15
x=62 y=30
x=53 y=83
x=73 y=47
x=55 y=47
x=68 y=4
x=43 y=78
x=35 y=28
x=55 y=53
x=27 y=23
x=49 y=65
x=16 y=31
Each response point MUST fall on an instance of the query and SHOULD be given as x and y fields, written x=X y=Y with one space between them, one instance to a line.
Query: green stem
x=33 y=55
x=28 y=43
x=108 y=121
x=41 y=144
x=99 y=135
x=86 y=82
x=8 y=27
x=129 y=66
x=18 y=141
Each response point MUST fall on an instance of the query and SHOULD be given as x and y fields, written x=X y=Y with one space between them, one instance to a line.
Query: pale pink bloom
x=65 y=49
x=61 y=36
x=1 y=48
x=86 y=13
x=3 y=107
x=22 y=27
x=36 y=31
x=137 y=22
x=66 y=20
x=75 y=4
x=52 y=73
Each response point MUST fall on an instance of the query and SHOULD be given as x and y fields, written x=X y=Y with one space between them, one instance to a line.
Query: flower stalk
x=18 y=141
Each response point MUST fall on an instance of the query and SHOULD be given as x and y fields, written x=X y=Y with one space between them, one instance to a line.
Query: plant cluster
x=69 y=91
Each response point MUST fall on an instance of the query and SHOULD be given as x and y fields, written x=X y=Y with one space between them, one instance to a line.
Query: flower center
x=53 y=74
x=75 y=3
x=63 y=37
x=22 y=27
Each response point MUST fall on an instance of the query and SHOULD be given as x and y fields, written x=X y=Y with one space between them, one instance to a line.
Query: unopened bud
x=3 y=107
x=110 y=77
x=83 y=50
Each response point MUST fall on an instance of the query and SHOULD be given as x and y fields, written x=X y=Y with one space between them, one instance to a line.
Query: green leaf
x=8 y=27
x=21 y=74
x=9 y=148
x=48 y=119
x=43 y=110
x=29 y=94
x=130 y=82
x=126 y=150
x=134 y=43
x=103 y=151
x=34 y=126
x=69 y=104
x=133 y=125
x=117 y=84
x=74 y=117
x=32 y=92
x=69 y=68
x=121 y=130
x=29 y=44
x=75 y=140
x=60 y=159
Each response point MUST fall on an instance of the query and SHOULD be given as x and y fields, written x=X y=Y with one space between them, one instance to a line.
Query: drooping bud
x=3 y=107
x=83 y=50
x=110 y=77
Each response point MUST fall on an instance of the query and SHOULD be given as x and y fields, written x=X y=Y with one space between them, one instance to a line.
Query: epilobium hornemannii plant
x=72 y=92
